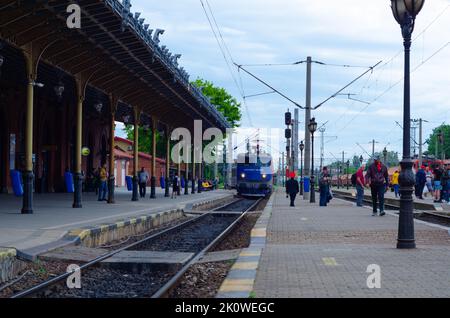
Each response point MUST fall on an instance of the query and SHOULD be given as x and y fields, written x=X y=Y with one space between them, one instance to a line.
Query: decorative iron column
x=186 y=178
x=135 y=196
x=193 y=170
x=78 y=177
x=179 y=174
x=112 y=178
x=167 y=190
x=153 y=178
x=28 y=175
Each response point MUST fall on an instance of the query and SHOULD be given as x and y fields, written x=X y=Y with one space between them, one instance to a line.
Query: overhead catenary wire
x=225 y=51
x=269 y=86
x=395 y=84
x=348 y=85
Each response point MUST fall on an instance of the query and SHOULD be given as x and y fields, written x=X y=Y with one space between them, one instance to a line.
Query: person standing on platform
x=292 y=188
x=103 y=187
x=377 y=178
x=143 y=179
x=438 y=184
x=395 y=183
x=360 y=186
x=175 y=186
x=324 y=187
x=429 y=183
x=421 y=181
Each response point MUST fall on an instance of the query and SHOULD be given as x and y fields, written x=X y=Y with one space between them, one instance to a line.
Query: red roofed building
x=124 y=163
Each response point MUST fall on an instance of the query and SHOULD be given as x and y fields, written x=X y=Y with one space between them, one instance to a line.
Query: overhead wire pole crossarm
x=348 y=85
x=363 y=150
x=269 y=86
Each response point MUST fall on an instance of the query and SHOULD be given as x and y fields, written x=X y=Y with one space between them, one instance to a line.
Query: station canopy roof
x=119 y=49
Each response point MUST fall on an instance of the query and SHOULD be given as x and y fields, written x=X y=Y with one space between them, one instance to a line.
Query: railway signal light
x=288 y=118
x=288 y=133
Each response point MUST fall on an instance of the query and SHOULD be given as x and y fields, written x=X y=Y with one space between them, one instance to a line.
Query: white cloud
x=339 y=32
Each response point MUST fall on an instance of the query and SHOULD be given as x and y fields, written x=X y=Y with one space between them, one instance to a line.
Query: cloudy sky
x=345 y=32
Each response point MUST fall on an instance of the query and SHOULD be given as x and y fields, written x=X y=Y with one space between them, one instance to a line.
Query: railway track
x=197 y=236
x=426 y=216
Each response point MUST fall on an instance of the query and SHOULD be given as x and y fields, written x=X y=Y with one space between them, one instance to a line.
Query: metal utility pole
x=322 y=146
x=343 y=164
x=414 y=146
x=307 y=172
x=295 y=140
x=421 y=143
x=373 y=142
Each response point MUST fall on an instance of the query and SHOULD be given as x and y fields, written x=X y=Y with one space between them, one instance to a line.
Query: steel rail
x=62 y=277
x=164 y=291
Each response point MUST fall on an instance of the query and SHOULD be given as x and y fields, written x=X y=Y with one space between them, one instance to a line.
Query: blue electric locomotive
x=254 y=175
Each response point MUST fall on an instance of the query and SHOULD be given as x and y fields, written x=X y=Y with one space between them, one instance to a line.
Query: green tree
x=433 y=142
x=145 y=140
x=391 y=158
x=222 y=100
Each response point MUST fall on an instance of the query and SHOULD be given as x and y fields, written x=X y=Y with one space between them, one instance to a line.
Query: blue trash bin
x=306 y=184
x=129 y=181
x=68 y=180
x=16 y=179
x=162 y=181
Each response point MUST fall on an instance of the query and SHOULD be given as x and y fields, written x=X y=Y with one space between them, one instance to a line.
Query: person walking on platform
x=175 y=186
x=324 y=187
x=377 y=178
x=446 y=183
x=438 y=184
x=103 y=188
x=292 y=188
x=395 y=183
x=421 y=181
x=429 y=183
x=143 y=179
x=360 y=186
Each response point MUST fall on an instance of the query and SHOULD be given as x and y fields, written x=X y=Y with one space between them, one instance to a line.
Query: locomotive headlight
x=264 y=176
x=243 y=175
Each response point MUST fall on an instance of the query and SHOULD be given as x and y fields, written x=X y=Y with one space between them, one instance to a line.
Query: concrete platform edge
x=241 y=278
x=102 y=234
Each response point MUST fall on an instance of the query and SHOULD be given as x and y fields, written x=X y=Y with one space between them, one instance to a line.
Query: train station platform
x=313 y=251
x=427 y=204
x=54 y=218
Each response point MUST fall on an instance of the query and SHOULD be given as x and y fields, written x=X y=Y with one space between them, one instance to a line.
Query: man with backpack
x=377 y=178
x=358 y=182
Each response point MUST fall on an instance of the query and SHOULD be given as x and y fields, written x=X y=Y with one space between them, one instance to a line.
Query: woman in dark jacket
x=324 y=187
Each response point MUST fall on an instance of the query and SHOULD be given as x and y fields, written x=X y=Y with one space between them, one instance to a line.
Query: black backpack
x=354 y=179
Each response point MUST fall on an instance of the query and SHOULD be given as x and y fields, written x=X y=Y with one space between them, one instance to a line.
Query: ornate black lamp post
x=385 y=153
x=312 y=129
x=302 y=147
x=405 y=12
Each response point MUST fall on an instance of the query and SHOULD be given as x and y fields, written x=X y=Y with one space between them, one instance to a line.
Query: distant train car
x=254 y=175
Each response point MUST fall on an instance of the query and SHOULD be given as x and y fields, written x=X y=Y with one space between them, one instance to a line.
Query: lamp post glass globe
x=404 y=8
x=302 y=146
x=312 y=126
